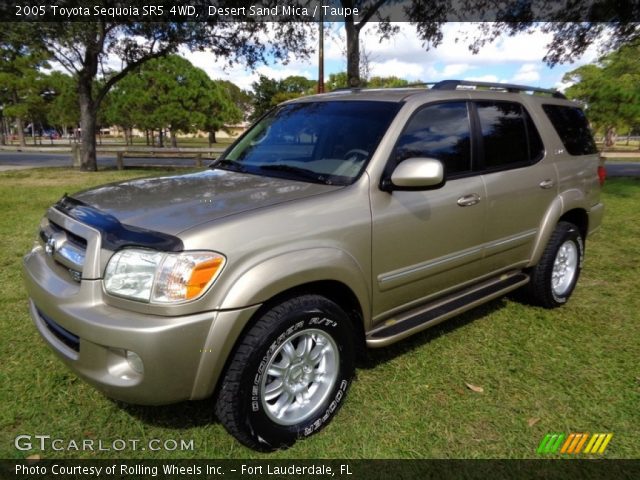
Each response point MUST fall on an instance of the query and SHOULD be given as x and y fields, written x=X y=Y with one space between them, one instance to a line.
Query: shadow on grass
x=377 y=356
x=177 y=416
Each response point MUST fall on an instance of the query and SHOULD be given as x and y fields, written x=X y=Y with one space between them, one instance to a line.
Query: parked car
x=337 y=222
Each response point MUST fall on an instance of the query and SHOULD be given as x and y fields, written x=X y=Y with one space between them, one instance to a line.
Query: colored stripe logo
x=574 y=443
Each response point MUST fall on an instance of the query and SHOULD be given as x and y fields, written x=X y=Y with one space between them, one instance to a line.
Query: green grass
x=573 y=369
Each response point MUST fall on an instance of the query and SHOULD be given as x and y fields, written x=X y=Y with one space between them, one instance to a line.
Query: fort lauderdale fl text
x=255 y=11
x=170 y=469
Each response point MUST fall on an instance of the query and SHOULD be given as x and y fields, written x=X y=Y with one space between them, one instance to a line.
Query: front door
x=425 y=242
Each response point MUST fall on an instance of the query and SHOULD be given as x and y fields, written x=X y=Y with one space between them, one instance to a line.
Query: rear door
x=520 y=184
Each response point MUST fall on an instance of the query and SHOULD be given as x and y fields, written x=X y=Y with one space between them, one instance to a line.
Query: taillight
x=602 y=174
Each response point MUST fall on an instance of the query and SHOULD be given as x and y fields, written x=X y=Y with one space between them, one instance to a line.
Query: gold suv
x=337 y=222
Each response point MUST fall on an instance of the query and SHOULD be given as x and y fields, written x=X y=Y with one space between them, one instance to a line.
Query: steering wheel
x=358 y=153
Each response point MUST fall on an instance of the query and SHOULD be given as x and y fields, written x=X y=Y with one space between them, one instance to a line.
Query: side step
x=426 y=316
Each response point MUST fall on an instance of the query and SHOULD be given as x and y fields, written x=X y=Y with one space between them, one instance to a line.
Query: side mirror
x=416 y=174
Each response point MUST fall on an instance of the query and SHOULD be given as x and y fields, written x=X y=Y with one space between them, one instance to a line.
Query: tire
x=554 y=278
x=289 y=374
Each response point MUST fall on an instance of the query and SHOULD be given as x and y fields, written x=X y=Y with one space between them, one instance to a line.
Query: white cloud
x=397 y=68
x=455 y=69
x=528 y=73
x=486 y=78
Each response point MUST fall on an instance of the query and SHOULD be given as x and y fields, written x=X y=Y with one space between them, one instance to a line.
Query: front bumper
x=182 y=356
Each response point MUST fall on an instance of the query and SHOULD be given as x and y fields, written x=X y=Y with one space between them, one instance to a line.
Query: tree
x=386 y=82
x=227 y=105
x=21 y=81
x=170 y=93
x=336 y=81
x=83 y=48
x=264 y=90
x=610 y=90
x=339 y=80
x=268 y=92
x=63 y=110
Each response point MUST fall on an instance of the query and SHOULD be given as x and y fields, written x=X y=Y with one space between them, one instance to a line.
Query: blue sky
x=515 y=59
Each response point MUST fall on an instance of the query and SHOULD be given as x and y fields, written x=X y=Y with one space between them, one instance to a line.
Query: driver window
x=439 y=131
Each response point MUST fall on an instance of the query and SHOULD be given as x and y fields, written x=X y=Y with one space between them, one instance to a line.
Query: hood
x=179 y=202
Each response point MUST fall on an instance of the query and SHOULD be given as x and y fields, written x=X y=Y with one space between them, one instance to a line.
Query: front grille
x=65 y=247
x=65 y=336
x=71 y=237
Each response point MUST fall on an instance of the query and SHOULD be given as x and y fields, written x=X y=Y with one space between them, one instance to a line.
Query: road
x=19 y=160
x=13 y=160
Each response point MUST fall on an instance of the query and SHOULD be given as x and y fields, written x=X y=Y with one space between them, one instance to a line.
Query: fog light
x=135 y=362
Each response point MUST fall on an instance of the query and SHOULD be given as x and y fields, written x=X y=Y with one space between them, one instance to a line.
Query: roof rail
x=454 y=84
x=408 y=85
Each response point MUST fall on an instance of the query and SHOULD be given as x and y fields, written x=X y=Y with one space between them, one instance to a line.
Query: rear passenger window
x=571 y=125
x=510 y=138
x=439 y=131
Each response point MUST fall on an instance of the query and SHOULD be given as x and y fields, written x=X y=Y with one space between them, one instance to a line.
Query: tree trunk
x=212 y=138
x=353 y=53
x=87 y=126
x=610 y=137
x=20 y=127
x=628 y=137
x=174 y=140
x=161 y=138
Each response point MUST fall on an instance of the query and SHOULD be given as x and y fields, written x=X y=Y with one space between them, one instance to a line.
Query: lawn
x=574 y=369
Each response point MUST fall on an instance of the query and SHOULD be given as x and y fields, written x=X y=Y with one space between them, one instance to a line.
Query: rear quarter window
x=572 y=127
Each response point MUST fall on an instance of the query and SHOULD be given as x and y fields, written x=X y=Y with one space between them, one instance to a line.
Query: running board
x=433 y=313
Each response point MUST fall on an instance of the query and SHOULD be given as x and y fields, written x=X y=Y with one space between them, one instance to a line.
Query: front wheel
x=554 y=278
x=289 y=374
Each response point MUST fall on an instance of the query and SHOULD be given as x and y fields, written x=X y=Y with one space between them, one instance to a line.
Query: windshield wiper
x=228 y=165
x=298 y=172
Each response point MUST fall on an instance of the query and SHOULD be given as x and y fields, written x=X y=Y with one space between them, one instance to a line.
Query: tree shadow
x=198 y=413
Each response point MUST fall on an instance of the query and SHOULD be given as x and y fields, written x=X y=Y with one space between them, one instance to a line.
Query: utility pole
x=321 y=54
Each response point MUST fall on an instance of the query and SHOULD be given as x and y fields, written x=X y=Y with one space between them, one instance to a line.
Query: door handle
x=468 y=200
x=548 y=183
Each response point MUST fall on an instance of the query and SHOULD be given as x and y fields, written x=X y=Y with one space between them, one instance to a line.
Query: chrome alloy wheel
x=565 y=267
x=299 y=376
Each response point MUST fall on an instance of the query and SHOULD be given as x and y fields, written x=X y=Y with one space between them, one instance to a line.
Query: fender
x=564 y=202
x=283 y=272
x=262 y=282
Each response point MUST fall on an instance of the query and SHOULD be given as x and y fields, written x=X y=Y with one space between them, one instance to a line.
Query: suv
x=339 y=221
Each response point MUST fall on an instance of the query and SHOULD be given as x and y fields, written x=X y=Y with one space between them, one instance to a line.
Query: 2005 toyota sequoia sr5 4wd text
x=338 y=221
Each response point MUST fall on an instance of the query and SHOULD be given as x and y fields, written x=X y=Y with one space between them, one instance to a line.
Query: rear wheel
x=554 y=278
x=289 y=375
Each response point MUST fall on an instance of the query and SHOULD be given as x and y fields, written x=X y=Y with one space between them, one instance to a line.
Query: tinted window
x=439 y=131
x=509 y=135
x=325 y=142
x=572 y=128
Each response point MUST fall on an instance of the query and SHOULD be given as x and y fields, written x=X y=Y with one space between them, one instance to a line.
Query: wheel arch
x=568 y=207
x=289 y=276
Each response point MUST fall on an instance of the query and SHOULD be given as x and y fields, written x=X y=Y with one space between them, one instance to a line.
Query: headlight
x=159 y=277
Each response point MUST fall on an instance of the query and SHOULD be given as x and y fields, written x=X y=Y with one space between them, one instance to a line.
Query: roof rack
x=454 y=84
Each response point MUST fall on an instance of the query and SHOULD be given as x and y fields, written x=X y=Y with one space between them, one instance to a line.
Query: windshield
x=322 y=142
